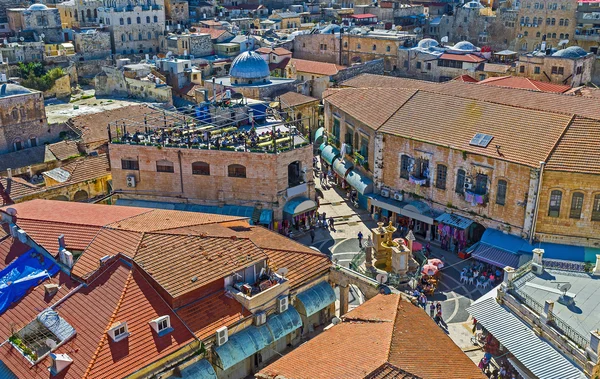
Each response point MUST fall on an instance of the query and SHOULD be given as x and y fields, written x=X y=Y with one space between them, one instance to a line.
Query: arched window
x=537 y=34
x=128 y=20
x=554 y=205
x=18 y=144
x=121 y=21
x=553 y=35
x=156 y=36
x=164 y=166
x=460 y=181
x=358 y=46
x=200 y=168
x=576 y=205
x=553 y=21
x=346 y=44
x=596 y=208
x=236 y=171
x=441 y=175
x=561 y=36
x=139 y=20
x=388 y=49
x=15 y=114
x=140 y=36
x=374 y=47
x=522 y=19
x=131 y=39
x=561 y=22
x=155 y=18
x=566 y=22
x=147 y=19
x=535 y=21
x=567 y=36
x=525 y=33
x=548 y=21
x=149 y=35
x=527 y=20
x=123 y=37
x=501 y=192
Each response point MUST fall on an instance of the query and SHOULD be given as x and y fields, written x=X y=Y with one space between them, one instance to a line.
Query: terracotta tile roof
x=314 y=67
x=211 y=23
x=551 y=102
x=465 y=78
x=205 y=316
x=579 y=148
x=45 y=233
x=160 y=219
x=18 y=188
x=281 y=65
x=64 y=150
x=214 y=33
x=87 y=169
x=73 y=212
x=372 y=106
x=389 y=371
x=11 y=249
x=139 y=304
x=106 y=242
x=525 y=83
x=174 y=260
x=470 y=58
x=452 y=121
x=292 y=99
x=385 y=329
x=276 y=51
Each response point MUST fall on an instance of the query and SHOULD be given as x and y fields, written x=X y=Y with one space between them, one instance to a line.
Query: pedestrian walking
x=432 y=309
x=325 y=220
x=312 y=235
x=423 y=300
x=360 y=237
x=331 y=223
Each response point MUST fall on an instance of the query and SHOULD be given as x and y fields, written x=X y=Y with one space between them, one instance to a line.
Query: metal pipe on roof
x=537 y=202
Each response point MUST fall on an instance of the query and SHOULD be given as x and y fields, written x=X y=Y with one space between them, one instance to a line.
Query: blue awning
x=319 y=135
x=359 y=182
x=498 y=257
x=199 y=370
x=315 y=298
x=435 y=21
x=242 y=345
x=299 y=205
x=341 y=167
x=266 y=217
x=284 y=323
x=508 y=242
x=329 y=153
x=227 y=210
x=454 y=220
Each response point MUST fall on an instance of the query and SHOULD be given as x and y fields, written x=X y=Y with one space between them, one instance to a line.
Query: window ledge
x=165 y=331
x=121 y=337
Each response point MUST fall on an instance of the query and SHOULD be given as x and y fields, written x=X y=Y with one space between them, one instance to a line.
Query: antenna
x=282 y=272
x=381 y=278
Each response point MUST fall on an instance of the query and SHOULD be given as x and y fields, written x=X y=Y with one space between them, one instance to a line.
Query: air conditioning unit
x=468 y=186
x=385 y=193
x=222 y=336
x=260 y=318
x=131 y=181
x=66 y=257
x=468 y=180
x=282 y=304
x=537 y=268
x=398 y=196
x=22 y=235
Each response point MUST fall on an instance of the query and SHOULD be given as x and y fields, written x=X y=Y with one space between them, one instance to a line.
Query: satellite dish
x=444 y=39
x=336 y=320
x=11 y=211
x=50 y=343
x=282 y=272
x=564 y=288
x=381 y=278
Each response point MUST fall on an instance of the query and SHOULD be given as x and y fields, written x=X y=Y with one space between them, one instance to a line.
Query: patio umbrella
x=429 y=269
x=436 y=262
x=417 y=246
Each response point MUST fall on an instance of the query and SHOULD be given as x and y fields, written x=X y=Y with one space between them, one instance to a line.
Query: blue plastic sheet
x=24 y=273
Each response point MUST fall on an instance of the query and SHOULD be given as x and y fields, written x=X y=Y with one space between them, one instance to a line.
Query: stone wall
x=372 y=67
x=46 y=22
x=563 y=229
x=92 y=45
x=311 y=47
x=91 y=68
x=112 y=82
x=545 y=64
x=265 y=183
x=177 y=12
x=61 y=88
x=532 y=24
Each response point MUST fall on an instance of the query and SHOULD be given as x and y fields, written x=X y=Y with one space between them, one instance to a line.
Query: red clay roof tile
x=525 y=83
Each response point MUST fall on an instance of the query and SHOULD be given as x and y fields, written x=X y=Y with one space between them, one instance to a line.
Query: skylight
x=481 y=140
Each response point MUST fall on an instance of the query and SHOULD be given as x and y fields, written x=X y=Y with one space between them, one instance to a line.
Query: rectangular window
x=554 y=206
x=33 y=142
x=164 y=167
x=501 y=193
x=521 y=69
x=404 y=166
x=536 y=70
x=578 y=71
x=418 y=65
x=336 y=132
x=561 y=71
x=596 y=209
x=554 y=70
x=130 y=164
x=460 y=181
x=576 y=205
x=481 y=184
x=442 y=172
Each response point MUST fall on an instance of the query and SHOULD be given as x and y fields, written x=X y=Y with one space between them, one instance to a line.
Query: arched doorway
x=80 y=196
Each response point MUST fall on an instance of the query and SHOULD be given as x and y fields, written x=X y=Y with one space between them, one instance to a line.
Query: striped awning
x=533 y=352
x=341 y=167
x=495 y=256
x=329 y=153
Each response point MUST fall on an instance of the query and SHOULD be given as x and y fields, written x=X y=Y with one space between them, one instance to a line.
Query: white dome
x=464 y=46
x=426 y=43
x=37 y=7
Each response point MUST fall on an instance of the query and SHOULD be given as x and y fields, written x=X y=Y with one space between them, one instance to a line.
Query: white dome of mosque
x=464 y=46
x=249 y=65
x=426 y=43
x=37 y=7
x=12 y=90
x=572 y=52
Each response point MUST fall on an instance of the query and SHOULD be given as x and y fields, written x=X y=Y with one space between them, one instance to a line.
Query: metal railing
x=522 y=271
x=564 y=265
x=529 y=301
x=571 y=333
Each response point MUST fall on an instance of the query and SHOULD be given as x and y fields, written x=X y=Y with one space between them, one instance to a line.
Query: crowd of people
x=481 y=274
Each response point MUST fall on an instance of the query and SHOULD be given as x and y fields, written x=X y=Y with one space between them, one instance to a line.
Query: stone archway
x=81 y=196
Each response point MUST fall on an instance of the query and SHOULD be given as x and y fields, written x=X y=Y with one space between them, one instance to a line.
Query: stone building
x=572 y=66
x=134 y=27
x=544 y=24
x=79 y=14
x=190 y=44
x=317 y=76
x=16 y=52
x=371 y=45
x=321 y=47
x=39 y=19
x=177 y=12
x=303 y=109
x=134 y=81
x=23 y=119
x=92 y=44
x=587 y=33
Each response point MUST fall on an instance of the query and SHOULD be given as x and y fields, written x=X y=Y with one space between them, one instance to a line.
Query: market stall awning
x=299 y=205
x=319 y=136
x=454 y=220
x=420 y=211
x=266 y=217
x=284 y=323
x=341 y=167
x=199 y=370
x=498 y=257
x=329 y=153
x=534 y=353
x=359 y=182
x=387 y=203
x=243 y=344
x=315 y=298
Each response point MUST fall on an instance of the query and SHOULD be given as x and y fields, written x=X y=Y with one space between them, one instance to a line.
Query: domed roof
x=464 y=46
x=37 y=7
x=571 y=52
x=12 y=90
x=426 y=43
x=249 y=65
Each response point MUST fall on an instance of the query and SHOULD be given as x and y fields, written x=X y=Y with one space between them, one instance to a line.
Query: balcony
x=260 y=295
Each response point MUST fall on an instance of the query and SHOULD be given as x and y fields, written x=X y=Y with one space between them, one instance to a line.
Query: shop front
x=414 y=215
x=297 y=215
x=501 y=250
x=455 y=233
x=341 y=168
x=328 y=153
x=362 y=185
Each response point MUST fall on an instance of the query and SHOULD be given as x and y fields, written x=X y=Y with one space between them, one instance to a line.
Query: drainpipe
x=537 y=203
x=180 y=170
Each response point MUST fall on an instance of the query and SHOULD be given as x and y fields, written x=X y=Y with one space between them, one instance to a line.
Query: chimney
x=597 y=268
x=50 y=289
x=593 y=349
x=61 y=242
x=9 y=172
x=547 y=313
x=509 y=274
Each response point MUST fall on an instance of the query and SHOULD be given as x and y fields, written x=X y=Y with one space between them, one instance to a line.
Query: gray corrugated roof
x=532 y=351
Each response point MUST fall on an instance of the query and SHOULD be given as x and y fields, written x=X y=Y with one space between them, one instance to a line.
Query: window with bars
x=130 y=164
x=404 y=166
x=501 y=192
x=236 y=171
x=441 y=175
x=200 y=168
x=554 y=206
x=460 y=181
x=165 y=166
x=576 y=205
x=596 y=208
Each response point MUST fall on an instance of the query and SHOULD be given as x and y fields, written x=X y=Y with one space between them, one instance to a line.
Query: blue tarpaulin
x=25 y=272
x=243 y=344
x=260 y=111
x=284 y=323
x=266 y=217
x=315 y=298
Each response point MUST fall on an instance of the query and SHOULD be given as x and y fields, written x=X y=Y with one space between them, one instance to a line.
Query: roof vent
x=59 y=363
